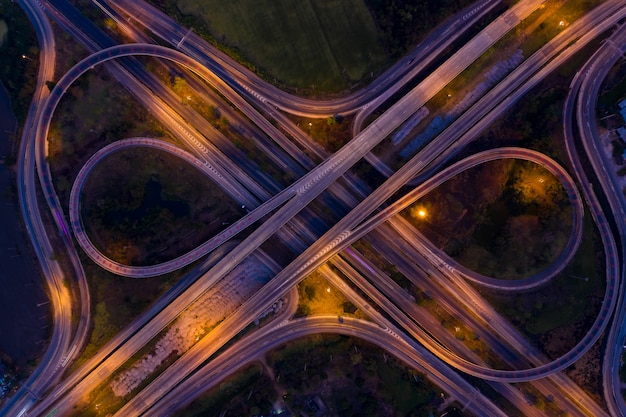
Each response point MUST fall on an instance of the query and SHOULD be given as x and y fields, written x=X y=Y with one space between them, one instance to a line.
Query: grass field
x=570 y=298
x=142 y=206
x=4 y=29
x=317 y=46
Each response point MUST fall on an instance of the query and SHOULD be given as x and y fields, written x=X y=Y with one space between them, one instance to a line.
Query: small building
x=622 y=109
x=317 y=406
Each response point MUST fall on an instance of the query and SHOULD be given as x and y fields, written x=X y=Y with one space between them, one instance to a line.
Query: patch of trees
x=404 y=22
x=20 y=76
x=364 y=380
x=249 y=393
x=506 y=221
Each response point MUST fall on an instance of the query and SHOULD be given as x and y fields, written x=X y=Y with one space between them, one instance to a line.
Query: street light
x=26 y=57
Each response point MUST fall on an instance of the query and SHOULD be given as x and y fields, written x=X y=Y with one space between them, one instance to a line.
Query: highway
x=319 y=251
x=347 y=156
x=248 y=84
x=250 y=348
x=330 y=166
x=581 y=107
x=65 y=335
x=304 y=190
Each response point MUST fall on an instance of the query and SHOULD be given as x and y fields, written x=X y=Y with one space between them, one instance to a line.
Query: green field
x=4 y=29
x=562 y=310
x=312 y=45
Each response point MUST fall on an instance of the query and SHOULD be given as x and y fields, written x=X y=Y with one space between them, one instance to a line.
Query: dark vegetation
x=19 y=75
x=404 y=23
x=95 y=112
x=571 y=297
x=9 y=375
x=506 y=219
x=347 y=376
x=365 y=381
x=310 y=47
x=249 y=392
x=401 y=24
x=144 y=206
x=613 y=90
x=332 y=133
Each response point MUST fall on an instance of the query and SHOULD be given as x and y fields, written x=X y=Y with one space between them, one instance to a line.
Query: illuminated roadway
x=264 y=340
x=329 y=245
x=174 y=264
x=65 y=335
x=250 y=85
x=581 y=104
x=357 y=140
x=348 y=155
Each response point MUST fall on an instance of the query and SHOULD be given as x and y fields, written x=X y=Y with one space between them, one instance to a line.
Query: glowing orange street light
x=421 y=213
